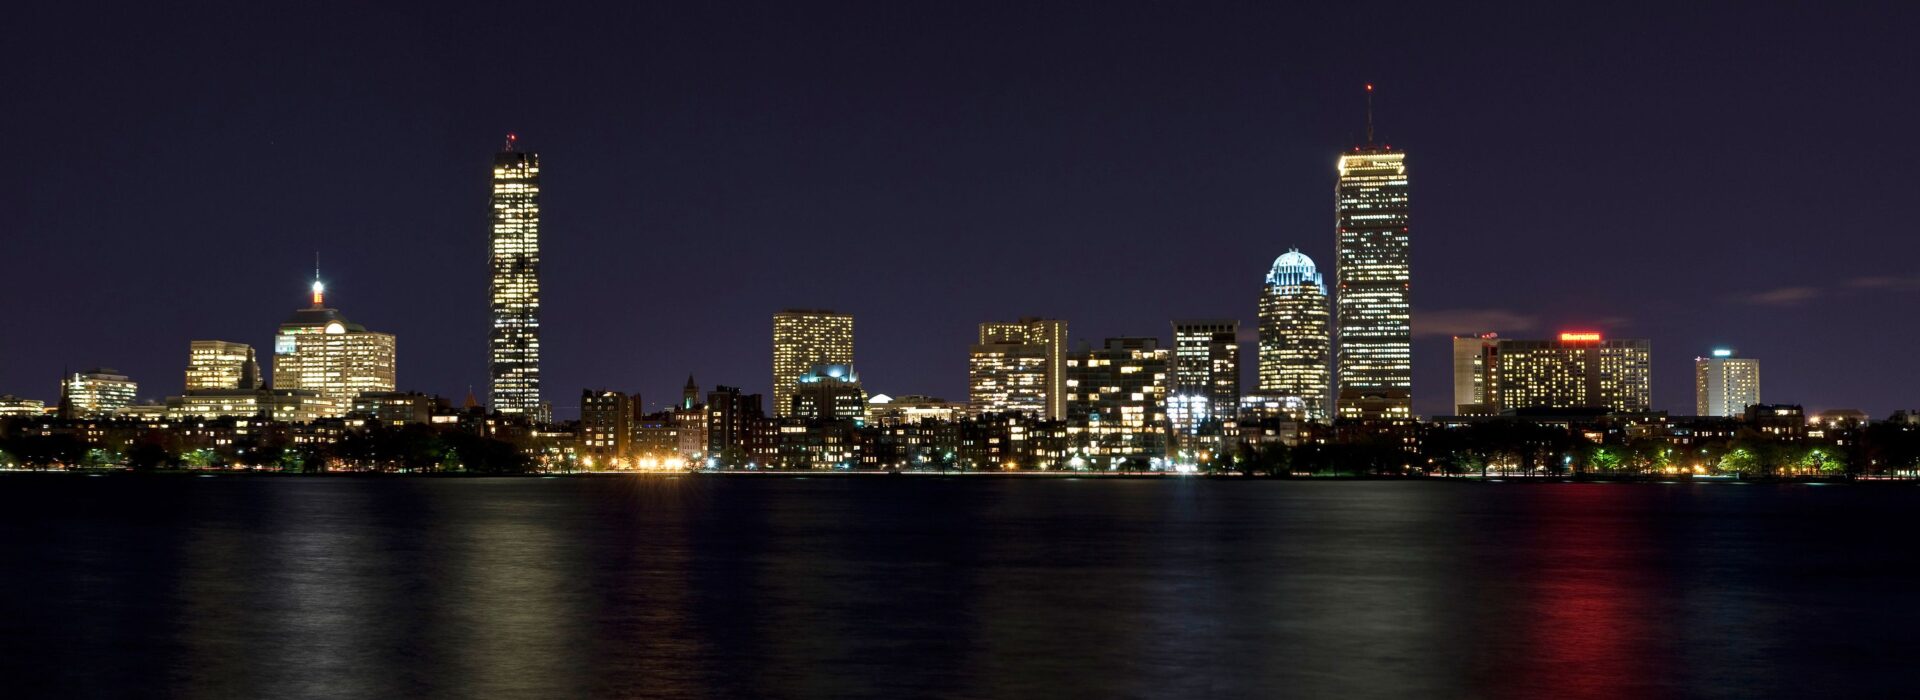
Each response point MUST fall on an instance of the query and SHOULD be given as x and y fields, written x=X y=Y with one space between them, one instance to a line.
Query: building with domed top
x=1296 y=351
x=319 y=350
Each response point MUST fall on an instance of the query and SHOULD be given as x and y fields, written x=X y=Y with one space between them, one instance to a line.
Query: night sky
x=1725 y=175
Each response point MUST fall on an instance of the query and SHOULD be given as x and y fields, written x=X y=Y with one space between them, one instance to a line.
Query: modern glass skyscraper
x=515 y=294
x=1376 y=340
x=803 y=338
x=1296 y=350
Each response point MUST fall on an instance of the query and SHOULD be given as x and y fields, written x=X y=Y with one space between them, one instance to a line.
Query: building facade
x=1372 y=295
x=1048 y=338
x=1577 y=370
x=1206 y=373
x=1296 y=340
x=96 y=393
x=1117 y=400
x=514 y=294
x=319 y=350
x=1470 y=357
x=1008 y=377
x=1725 y=385
x=607 y=426
x=832 y=393
x=219 y=364
x=803 y=338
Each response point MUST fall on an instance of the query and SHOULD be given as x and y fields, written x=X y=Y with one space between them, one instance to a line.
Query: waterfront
x=703 y=587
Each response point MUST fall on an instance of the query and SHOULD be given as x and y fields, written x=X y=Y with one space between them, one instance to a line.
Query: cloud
x=1784 y=296
x=1471 y=322
x=1885 y=282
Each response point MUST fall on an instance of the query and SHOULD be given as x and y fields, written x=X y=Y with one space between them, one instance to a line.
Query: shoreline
x=1669 y=479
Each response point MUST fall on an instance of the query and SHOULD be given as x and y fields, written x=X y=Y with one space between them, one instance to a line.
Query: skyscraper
x=1049 y=338
x=1007 y=377
x=1725 y=385
x=218 y=364
x=1117 y=399
x=1206 y=372
x=803 y=338
x=1296 y=351
x=1376 y=339
x=515 y=293
x=319 y=350
x=1471 y=355
x=1579 y=370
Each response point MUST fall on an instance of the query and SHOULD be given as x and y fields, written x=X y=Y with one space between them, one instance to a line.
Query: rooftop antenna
x=319 y=290
x=1369 y=114
x=511 y=138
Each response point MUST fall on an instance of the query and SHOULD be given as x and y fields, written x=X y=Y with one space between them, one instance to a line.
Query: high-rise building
x=1045 y=338
x=1725 y=385
x=96 y=393
x=1206 y=372
x=1296 y=342
x=830 y=392
x=1375 y=311
x=1117 y=398
x=514 y=344
x=1470 y=356
x=319 y=350
x=803 y=338
x=607 y=424
x=218 y=364
x=1005 y=377
x=1578 y=370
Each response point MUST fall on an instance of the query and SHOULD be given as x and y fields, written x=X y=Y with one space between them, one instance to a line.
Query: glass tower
x=1376 y=341
x=1295 y=341
x=515 y=293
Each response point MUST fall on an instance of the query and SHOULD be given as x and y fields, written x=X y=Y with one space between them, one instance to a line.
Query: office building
x=218 y=364
x=1372 y=296
x=11 y=405
x=514 y=294
x=1470 y=356
x=400 y=407
x=281 y=405
x=1206 y=372
x=1296 y=341
x=1005 y=377
x=1117 y=399
x=96 y=393
x=1578 y=370
x=319 y=350
x=1048 y=338
x=830 y=393
x=803 y=338
x=1725 y=385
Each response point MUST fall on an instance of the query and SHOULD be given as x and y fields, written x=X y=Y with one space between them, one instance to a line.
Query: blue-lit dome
x=1294 y=268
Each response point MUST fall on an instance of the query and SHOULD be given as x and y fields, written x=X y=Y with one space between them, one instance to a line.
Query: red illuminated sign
x=1579 y=336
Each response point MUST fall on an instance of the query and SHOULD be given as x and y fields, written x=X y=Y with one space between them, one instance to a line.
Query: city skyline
x=408 y=253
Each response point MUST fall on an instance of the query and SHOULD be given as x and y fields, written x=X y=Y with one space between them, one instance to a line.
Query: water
x=962 y=587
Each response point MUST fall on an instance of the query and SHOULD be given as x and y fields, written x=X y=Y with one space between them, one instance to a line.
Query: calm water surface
x=914 y=587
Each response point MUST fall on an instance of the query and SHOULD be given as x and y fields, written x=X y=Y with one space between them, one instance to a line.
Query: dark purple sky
x=1695 y=174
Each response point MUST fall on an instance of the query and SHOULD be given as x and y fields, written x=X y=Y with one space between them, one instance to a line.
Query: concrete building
x=1046 y=338
x=803 y=338
x=830 y=392
x=1117 y=399
x=1470 y=356
x=1725 y=385
x=219 y=364
x=1577 y=370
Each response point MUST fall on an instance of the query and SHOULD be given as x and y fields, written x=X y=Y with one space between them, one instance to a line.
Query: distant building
x=1044 y=338
x=1470 y=357
x=514 y=292
x=1725 y=385
x=319 y=350
x=1785 y=422
x=803 y=338
x=607 y=424
x=884 y=410
x=738 y=429
x=830 y=392
x=1578 y=370
x=219 y=364
x=690 y=422
x=400 y=407
x=11 y=405
x=96 y=393
x=1296 y=343
x=1375 y=310
x=1206 y=366
x=1006 y=376
x=282 y=405
x=1117 y=398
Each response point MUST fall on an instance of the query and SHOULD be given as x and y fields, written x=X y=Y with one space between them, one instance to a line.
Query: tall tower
x=1725 y=385
x=1047 y=338
x=319 y=350
x=803 y=338
x=515 y=291
x=1296 y=343
x=1206 y=372
x=1376 y=339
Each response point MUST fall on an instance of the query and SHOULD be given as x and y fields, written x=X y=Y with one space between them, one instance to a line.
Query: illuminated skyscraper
x=803 y=338
x=319 y=350
x=1004 y=377
x=1296 y=351
x=515 y=293
x=1376 y=340
x=1048 y=337
x=218 y=364
x=1579 y=370
x=1206 y=372
x=1725 y=385
x=1117 y=399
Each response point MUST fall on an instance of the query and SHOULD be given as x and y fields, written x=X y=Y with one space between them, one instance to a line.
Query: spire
x=508 y=147
x=319 y=290
x=1369 y=114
